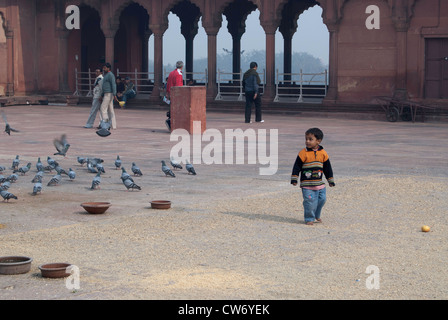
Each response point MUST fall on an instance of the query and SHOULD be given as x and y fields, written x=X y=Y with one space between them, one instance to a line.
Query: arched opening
x=86 y=48
x=302 y=57
x=131 y=39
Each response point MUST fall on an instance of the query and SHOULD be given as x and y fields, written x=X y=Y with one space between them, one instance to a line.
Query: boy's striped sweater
x=312 y=165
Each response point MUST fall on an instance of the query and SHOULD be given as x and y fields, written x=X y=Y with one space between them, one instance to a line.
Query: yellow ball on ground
x=426 y=228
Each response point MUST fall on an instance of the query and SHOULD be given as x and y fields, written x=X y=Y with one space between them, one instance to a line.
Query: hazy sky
x=311 y=37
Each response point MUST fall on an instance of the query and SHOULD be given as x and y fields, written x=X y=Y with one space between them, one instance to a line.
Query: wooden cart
x=406 y=109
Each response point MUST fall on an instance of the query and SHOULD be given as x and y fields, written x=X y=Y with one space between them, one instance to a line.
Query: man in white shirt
x=96 y=102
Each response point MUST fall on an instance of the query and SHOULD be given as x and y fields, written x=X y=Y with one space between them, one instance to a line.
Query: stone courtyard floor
x=231 y=233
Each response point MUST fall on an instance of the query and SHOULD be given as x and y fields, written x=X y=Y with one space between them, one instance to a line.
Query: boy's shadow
x=267 y=217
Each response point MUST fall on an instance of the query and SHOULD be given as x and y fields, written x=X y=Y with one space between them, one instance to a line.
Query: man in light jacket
x=109 y=87
x=96 y=102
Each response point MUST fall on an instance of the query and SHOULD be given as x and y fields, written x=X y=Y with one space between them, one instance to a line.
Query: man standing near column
x=109 y=92
x=251 y=83
x=175 y=79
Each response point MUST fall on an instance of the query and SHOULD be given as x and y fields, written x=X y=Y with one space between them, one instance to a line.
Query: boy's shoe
x=88 y=127
x=260 y=121
x=309 y=223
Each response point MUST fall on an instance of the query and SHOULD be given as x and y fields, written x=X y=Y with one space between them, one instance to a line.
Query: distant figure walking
x=109 y=88
x=251 y=84
x=96 y=102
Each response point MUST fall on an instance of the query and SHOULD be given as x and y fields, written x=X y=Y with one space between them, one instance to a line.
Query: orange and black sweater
x=312 y=165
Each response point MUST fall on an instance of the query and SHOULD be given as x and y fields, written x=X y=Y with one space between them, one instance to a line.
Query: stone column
x=401 y=28
x=10 y=58
x=332 y=93
x=287 y=55
x=62 y=61
x=158 y=31
x=269 y=89
x=211 y=62
x=145 y=50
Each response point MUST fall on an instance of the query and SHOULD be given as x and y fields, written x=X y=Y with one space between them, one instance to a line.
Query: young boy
x=311 y=163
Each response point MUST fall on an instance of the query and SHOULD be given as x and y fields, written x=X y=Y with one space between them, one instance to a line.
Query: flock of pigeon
x=94 y=165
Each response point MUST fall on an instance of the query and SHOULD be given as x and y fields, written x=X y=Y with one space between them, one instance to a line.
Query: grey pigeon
x=136 y=170
x=6 y=195
x=12 y=178
x=100 y=168
x=52 y=162
x=39 y=165
x=2 y=178
x=49 y=168
x=15 y=163
x=5 y=185
x=104 y=129
x=125 y=175
x=8 y=128
x=190 y=168
x=131 y=185
x=60 y=171
x=175 y=164
x=24 y=170
x=166 y=170
x=94 y=161
x=2 y=168
x=118 y=162
x=55 y=180
x=81 y=160
x=71 y=174
x=61 y=145
x=96 y=181
x=37 y=188
x=90 y=167
x=38 y=177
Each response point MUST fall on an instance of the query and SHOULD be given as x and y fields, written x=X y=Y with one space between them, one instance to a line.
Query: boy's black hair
x=108 y=65
x=315 y=132
x=253 y=65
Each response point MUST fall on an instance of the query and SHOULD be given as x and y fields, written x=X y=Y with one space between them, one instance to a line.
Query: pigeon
x=39 y=165
x=6 y=195
x=12 y=178
x=55 y=180
x=5 y=185
x=52 y=162
x=61 y=145
x=136 y=170
x=96 y=181
x=125 y=175
x=81 y=160
x=38 y=177
x=167 y=171
x=2 y=178
x=49 y=168
x=8 y=128
x=15 y=163
x=190 y=168
x=118 y=162
x=104 y=129
x=71 y=174
x=37 y=188
x=175 y=164
x=90 y=167
x=131 y=185
x=2 y=168
x=24 y=170
x=100 y=168
x=94 y=161
x=60 y=171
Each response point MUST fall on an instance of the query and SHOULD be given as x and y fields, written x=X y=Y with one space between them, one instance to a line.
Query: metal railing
x=304 y=87
x=230 y=83
x=84 y=83
x=143 y=81
x=195 y=77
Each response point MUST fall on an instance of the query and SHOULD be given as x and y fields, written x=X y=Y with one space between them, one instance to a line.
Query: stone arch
x=117 y=13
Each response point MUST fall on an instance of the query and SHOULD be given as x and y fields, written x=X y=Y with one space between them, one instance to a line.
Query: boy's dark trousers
x=249 y=100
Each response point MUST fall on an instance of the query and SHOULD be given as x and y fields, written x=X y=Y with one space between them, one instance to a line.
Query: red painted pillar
x=158 y=31
x=10 y=58
x=269 y=89
x=332 y=93
x=211 y=63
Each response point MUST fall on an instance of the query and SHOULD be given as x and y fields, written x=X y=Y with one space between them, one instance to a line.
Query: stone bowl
x=160 y=204
x=96 y=207
x=54 y=270
x=15 y=264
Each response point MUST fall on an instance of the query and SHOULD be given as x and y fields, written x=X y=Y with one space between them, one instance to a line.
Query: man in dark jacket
x=251 y=83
